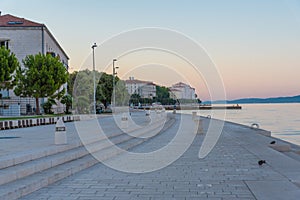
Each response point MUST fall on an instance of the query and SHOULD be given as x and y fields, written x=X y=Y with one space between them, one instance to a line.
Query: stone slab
x=274 y=190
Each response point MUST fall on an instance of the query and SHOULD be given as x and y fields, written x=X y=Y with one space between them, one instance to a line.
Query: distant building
x=24 y=37
x=145 y=89
x=182 y=91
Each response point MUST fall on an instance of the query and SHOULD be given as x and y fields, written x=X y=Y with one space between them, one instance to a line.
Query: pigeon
x=261 y=162
x=273 y=142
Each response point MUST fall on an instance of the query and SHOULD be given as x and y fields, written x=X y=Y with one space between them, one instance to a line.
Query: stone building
x=24 y=37
x=145 y=89
x=182 y=91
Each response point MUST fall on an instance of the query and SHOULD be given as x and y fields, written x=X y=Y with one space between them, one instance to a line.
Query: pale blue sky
x=254 y=43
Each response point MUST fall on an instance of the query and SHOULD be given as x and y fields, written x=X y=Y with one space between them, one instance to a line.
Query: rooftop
x=135 y=81
x=180 y=85
x=13 y=21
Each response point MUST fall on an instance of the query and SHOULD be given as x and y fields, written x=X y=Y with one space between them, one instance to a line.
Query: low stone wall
x=21 y=123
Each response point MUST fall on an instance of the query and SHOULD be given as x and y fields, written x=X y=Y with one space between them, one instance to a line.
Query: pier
x=32 y=167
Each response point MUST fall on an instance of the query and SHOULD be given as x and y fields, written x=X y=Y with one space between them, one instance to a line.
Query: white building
x=24 y=37
x=145 y=89
x=182 y=91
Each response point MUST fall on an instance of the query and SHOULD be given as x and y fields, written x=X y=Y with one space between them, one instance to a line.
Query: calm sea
x=283 y=120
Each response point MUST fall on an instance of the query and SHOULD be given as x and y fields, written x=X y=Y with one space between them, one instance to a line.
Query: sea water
x=283 y=120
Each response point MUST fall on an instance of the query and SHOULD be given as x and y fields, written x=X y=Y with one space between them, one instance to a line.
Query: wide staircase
x=26 y=172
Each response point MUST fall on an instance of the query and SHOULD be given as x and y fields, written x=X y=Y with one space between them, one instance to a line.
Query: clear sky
x=254 y=43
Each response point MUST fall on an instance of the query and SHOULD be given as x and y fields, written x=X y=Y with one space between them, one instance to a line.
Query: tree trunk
x=37 y=106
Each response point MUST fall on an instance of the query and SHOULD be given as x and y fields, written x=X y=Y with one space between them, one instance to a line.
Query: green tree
x=135 y=99
x=82 y=105
x=67 y=100
x=47 y=106
x=83 y=91
x=42 y=76
x=8 y=65
x=163 y=95
x=105 y=88
x=71 y=81
x=122 y=95
x=162 y=92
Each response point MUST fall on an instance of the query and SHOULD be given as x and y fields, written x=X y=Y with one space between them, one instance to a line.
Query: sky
x=254 y=44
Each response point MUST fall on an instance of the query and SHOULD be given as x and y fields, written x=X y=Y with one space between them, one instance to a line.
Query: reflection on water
x=283 y=120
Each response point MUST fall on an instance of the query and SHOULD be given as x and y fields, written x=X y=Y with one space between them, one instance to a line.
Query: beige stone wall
x=25 y=41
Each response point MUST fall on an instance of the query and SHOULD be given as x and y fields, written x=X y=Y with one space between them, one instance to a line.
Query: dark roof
x=13 y=21
x=139 y=81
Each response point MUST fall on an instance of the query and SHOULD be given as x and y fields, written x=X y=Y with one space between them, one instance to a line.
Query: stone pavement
x=37 y=137
x=230 y=171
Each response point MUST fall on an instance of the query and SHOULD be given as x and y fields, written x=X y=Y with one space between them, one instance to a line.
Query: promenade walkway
x=230 y=171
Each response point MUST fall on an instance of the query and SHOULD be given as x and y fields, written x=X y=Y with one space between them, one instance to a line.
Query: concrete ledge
x=263 y=132
x=10 y=124
x=281 y=147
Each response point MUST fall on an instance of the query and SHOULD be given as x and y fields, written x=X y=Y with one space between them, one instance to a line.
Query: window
x=4 y=93
x=4 y=43
x=51 y=53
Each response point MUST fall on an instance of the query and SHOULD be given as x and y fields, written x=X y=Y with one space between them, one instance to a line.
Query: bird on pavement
x=261 y=162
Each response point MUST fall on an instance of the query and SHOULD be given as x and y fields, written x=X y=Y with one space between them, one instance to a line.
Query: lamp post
x=94 y=76
x=114 y=74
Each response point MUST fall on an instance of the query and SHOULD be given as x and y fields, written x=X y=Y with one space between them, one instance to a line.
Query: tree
x=67 y=100
x=83 y=91
x=162 y=92
x=71 y=81
x=105 y=88
x=8 y=65
x=47 y=106
x=122 y=95
x=135 y=99
x=163 y=95
x=42 y=76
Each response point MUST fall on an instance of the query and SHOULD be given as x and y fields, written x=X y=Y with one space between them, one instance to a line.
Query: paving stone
x=230 y=171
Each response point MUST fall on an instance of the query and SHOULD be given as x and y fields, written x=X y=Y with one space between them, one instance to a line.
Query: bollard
x=174 y=111
x=14 y=124
x=60 y=132
x=198 y=126
x=124 y=121
x=194 y=115
x=148 y=112
x=158 y=113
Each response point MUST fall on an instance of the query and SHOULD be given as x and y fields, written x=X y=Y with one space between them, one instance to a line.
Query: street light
x=114 y=73
x=94 y=78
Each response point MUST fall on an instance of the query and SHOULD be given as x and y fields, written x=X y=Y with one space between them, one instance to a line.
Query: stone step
x=34 y=179
x=22 y=187
x=22 y=157
x=25 y=177
x=37 y=163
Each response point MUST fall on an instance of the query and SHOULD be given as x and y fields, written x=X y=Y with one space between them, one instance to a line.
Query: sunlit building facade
x=24 y=37
x=144 y=89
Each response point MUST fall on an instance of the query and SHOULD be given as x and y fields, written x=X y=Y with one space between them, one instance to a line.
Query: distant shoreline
x=277 y=100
